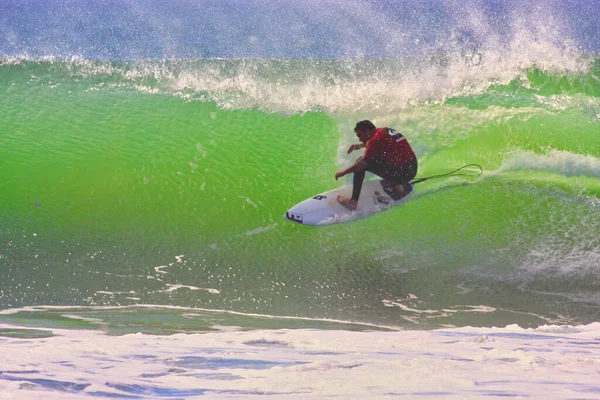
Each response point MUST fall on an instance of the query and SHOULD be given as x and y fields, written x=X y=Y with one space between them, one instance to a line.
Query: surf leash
x=453 y=173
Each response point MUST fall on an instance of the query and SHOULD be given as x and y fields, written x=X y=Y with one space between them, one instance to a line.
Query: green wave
x=165 y=183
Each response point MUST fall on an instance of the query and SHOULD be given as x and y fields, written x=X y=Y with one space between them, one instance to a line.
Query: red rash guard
x=388 y=146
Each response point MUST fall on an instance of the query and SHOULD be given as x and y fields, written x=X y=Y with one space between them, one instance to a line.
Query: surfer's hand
x=339 y=174
x=355 y=147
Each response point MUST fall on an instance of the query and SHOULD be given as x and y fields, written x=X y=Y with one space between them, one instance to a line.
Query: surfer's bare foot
x=347 y=202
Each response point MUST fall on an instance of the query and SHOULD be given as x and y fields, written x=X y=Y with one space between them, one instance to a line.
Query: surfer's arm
x=357 y=146
x=360 y=165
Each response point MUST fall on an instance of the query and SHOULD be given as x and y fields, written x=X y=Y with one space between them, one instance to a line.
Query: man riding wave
x=387 y=154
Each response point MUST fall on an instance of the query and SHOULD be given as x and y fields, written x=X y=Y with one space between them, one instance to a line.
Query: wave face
x=163 y=181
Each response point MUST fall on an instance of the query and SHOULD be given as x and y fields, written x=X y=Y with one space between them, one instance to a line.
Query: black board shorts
x=402 y=174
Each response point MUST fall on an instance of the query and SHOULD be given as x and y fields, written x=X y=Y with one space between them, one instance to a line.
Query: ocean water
x=148 y=152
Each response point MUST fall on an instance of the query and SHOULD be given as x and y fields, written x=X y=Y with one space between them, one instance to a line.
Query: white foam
x=173 y=288
x=249 y=201
x=550 y=256
x=444 y=312
x=160 y=268
x=559 y=161
x=549 y=362
x=260 y=230
x=448 y=68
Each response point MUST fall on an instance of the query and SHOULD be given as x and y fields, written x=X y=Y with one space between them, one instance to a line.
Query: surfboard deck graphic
x=324 y=209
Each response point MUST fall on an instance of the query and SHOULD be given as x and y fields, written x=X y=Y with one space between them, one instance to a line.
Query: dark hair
x=364 y=126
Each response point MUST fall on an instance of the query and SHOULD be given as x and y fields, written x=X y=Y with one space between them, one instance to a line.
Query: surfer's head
x=364 y=130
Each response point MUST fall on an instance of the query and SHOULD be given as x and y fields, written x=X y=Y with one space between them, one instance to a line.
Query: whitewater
x=148 y=152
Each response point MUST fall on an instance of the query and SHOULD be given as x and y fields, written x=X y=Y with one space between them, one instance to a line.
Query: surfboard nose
x=293 y=216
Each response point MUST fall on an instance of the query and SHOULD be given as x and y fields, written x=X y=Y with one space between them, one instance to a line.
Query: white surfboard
x=324 y=209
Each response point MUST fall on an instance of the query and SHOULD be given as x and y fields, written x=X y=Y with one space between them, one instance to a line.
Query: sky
x=136 y=29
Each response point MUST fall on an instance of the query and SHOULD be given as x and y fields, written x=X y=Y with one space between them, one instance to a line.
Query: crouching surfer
x=387 y=155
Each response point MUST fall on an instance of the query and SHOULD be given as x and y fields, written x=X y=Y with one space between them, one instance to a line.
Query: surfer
x=387 y=154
